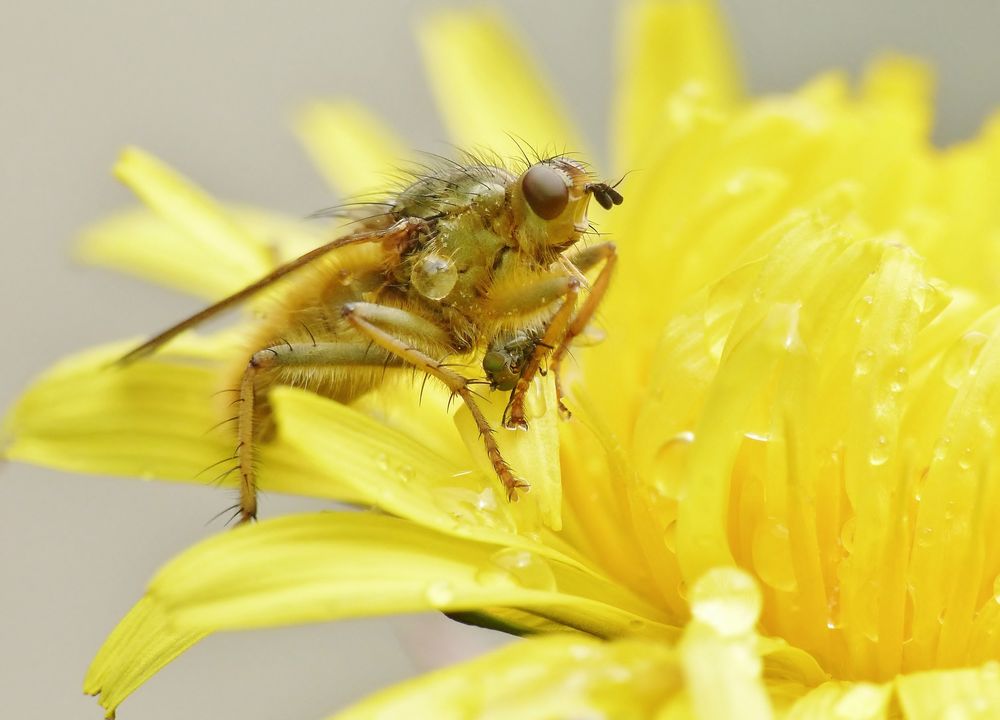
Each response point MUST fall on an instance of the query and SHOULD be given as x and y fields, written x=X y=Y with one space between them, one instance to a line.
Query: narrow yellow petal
x=490 y=95
x=326 y=566
x=147 y=627
x=396 y=471
x=718 y=650
x=146 y=244
x=667 y=47
x=538 y=679
x=967 y=693
x=534 y=455
x=149 y=419
x=212 y=234
x=351 y=147
x=154 y=419
x=858 y=701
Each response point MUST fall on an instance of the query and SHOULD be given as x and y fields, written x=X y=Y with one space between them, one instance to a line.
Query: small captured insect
x=471 y=259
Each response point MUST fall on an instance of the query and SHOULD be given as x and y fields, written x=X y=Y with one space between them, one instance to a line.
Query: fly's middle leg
x=367 y=318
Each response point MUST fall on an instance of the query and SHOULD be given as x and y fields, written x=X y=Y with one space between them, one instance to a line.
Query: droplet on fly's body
x=434 y=276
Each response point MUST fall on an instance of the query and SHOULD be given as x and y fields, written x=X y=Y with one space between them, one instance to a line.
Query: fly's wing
x=393 y=237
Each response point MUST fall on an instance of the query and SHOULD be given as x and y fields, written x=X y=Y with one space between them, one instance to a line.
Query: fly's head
x=549 y=202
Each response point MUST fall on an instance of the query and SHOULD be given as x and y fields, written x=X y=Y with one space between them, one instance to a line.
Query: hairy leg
x=363 y=316
x=265 y=362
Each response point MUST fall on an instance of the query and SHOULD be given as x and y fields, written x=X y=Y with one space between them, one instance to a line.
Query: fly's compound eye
x=546 y=191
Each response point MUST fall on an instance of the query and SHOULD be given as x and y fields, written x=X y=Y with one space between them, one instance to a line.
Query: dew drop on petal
x=727 y=600
x=958 y=362
x=772 y=555
x=996 y=589
x=526 y=569
x=847 y=534
x=941 y=448
x=486 y=500
x=864 y=361
x=439 y=593
x=898 y=379
x=670 y=537
x=863 y=309
x=880 y=451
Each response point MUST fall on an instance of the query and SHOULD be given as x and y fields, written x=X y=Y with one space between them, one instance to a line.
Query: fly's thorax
x=455 y=265
x=481 y=189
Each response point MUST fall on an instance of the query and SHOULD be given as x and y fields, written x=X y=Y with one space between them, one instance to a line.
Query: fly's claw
x=513 y=416
x=513 y=487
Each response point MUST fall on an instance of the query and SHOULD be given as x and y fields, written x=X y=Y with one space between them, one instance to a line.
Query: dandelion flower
x=775 y=496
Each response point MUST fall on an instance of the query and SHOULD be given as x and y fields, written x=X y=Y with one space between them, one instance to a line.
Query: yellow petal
x=350 y=147
x=309 y=568
x=392 y=469
x=143 y=243
x=208 y=234
x=967 y=693
x=534 y=454
x=665 y=47
x=149 y=419
x=538 y=679
x=326 y=566
x=488 y=91
x=145 y=626
x=721 y=666
x=153 y=419
x=858 y=701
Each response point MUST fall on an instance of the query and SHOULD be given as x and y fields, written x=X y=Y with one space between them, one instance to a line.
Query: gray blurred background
x=210 y=87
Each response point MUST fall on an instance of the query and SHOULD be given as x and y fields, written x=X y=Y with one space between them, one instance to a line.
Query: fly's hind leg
x=367 y=318
x=262 y=372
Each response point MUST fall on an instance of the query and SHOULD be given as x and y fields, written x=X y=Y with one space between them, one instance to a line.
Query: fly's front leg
x=584 y=260
x=513 y=415
x=263 y=367
x=367 y=318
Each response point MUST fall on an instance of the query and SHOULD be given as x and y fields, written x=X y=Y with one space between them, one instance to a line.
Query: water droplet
x=941 y=448
x=925 y=536
x=439 y=594
x=931 y=297
x=898 y=379
x=864 y=361
x=958 y=363
x=685 y=436
x=772 y=555
x=486 y=500
x=863 y=309
x=434 y=276
x=996 y=589
x=757 y=437
x=405 y=473
x=670 y=537
x=726 y=599
x=526 y=568
x=965 y=459
x=469 y=507
x=382 y=460
x=880 y=452
x=847 y=534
